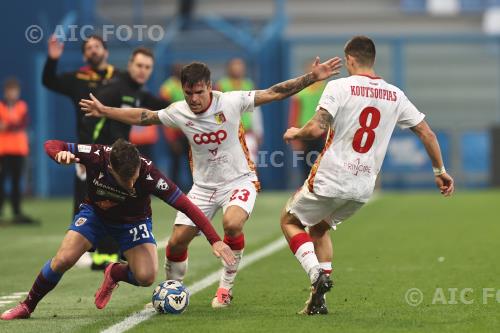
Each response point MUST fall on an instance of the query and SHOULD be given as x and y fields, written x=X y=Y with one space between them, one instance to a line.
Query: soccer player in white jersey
x=359 y=113
x=224 y=175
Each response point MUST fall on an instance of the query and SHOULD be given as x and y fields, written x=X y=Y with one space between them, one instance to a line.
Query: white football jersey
x=365 y=111
x=219 y=155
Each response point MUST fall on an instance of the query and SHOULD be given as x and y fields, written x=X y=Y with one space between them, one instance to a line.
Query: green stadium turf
x=398 y=242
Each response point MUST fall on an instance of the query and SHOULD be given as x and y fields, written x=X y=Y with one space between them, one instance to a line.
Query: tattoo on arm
x=324 y=119
x=293 y=86
x=149 y=118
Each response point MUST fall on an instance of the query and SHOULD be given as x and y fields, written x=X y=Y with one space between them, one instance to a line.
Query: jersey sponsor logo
x=110 y=191
x=114 y=196
x=84 y=148
x=212 y=137
x=162 y=185
x=220 y=118
x=356 y=167
x=80 y=221
x=213 y=151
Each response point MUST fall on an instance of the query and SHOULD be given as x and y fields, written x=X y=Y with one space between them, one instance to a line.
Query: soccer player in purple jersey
x=120 y=183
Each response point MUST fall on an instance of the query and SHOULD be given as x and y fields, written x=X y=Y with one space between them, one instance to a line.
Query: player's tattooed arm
x=283 y=90
x=288 y=88
x=149 y=118
x=133 y=116
x=313 y=129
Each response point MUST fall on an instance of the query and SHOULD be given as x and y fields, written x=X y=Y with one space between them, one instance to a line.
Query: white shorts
x=311 y=208
x=241 y=193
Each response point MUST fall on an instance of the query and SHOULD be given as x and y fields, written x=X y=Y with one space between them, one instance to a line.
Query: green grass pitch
x=447 y=248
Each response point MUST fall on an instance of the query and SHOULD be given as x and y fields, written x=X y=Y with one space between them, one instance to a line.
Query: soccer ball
x=170 y=297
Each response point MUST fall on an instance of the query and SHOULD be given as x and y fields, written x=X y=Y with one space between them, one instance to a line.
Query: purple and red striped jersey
x=115 y=204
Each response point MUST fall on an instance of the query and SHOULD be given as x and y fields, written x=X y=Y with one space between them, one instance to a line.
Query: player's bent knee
x=233 y=228
x=61 y=263
x=145 y=280
x=177 y=246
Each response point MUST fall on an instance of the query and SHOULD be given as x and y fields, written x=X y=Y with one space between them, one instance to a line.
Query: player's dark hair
x=124 y=158
x=195 y=72
x=97 y=37
x=11 y=83
x=363 y=49
x=142 y=50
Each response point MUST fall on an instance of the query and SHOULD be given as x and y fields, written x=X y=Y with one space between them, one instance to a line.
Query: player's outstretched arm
x=132 y=116
x=314 y=128
x=320 y=72
x=443 y=180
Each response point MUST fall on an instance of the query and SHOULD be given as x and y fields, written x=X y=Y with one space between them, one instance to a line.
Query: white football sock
x=307 y=257
x=176 y=270
x=326 y=267
x=229 y=271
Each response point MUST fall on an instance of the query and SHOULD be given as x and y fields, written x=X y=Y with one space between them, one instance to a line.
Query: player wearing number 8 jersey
x=223 y=173
x=359 y=113
x=119 y=183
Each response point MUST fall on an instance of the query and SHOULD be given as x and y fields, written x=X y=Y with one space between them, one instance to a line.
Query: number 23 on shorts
x=240 y=194
x=139 y=232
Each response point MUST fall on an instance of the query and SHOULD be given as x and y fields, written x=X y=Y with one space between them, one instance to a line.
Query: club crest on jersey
x=189 y=124
x=162 y=185
x=80 y=221
x=220 y=118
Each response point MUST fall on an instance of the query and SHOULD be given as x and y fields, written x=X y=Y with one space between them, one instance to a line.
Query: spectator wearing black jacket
x=128 y=91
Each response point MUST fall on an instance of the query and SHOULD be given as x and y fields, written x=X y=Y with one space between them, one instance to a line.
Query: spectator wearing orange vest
x=13 y=146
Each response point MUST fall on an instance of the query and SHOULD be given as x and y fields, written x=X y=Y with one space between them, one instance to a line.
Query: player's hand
x=55 y=48
x=291 y=134
x=445 y=184
x=66 y=157
x=221 y=249
x=326 y=69
x=92 y=107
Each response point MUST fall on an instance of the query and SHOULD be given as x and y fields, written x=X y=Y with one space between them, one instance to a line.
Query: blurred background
x=445 y=54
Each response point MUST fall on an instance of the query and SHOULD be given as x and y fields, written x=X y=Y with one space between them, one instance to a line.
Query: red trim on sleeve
x=52 y=147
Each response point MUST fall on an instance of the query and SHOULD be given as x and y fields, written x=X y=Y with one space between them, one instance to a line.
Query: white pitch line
x=9 y=297
x=5 y=302
x=145 y=314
